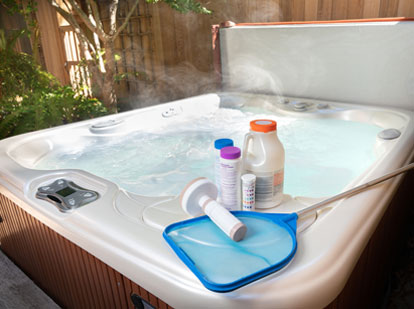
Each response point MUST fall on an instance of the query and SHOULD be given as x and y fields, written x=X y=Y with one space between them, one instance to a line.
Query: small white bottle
x=230 y=171
x=248 y=192
x=218 y=145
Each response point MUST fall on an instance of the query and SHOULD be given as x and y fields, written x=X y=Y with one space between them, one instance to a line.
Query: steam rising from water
x=187 y=69
x=255 y=77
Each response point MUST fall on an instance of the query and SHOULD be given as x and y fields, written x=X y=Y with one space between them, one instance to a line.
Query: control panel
x=66 y=195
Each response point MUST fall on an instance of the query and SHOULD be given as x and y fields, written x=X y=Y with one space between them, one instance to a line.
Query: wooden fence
x=167 y=55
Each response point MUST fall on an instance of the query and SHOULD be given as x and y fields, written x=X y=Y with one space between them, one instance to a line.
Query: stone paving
x=18 y=291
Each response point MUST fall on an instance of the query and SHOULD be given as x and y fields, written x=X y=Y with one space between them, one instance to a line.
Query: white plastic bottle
x=230 y=171
x=248 y=192
x=218 y=144
x=264 y=156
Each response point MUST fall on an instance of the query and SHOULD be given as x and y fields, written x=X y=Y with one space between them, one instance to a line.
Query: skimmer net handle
x=356 y=189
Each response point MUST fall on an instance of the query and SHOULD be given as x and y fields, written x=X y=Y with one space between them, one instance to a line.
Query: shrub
x=32 y=99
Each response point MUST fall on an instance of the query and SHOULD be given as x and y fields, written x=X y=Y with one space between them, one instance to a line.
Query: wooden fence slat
x=339 y=9
x=406 y=8
x=146 y=39
x=325 y=10
x=286 y=6
x=52 y=45
x=388 y=8
x=298 y=10
x=311 y=10
x=158 y=56
x=355 y=9
x=371 y=8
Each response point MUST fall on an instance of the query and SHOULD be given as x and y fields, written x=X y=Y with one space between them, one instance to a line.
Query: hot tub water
x=322 y=155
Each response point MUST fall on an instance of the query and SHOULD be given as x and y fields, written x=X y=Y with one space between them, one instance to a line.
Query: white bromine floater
x=199 y=196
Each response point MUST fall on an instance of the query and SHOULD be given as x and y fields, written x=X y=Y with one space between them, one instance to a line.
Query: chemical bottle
x=264 y=156
x=230 y=171
x=218 y=144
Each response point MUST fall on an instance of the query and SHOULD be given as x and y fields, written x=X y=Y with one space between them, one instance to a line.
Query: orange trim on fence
x=368 y=20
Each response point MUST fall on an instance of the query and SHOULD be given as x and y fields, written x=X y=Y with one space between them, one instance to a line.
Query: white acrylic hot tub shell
x=116 y=228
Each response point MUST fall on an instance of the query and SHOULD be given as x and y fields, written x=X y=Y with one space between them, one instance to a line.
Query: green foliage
x=32 y=99
x=184 y=6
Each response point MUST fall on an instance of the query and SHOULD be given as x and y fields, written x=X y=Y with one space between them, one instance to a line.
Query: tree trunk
x=97 y=78
x=108 y=92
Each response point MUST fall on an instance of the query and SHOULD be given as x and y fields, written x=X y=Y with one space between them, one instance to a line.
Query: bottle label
x=217 y=176
x=230 y=184
x=269 y=186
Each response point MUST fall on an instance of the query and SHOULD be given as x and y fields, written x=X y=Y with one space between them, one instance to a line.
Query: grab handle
x=246 y=141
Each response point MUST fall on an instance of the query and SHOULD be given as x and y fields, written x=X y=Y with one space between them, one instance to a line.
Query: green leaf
x=117 y=57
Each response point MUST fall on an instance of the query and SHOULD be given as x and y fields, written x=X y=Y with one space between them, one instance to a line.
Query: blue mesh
x=223 y=265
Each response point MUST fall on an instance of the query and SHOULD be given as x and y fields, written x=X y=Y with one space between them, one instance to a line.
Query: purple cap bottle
x=230 y=152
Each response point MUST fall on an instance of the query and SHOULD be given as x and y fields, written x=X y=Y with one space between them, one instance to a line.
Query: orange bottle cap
x=263 y=125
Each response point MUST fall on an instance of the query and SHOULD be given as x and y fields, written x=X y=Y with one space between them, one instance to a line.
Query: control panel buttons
x=66 y=195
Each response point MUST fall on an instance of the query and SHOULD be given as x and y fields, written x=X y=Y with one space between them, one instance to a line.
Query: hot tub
x=123 y=227
x=111 y=250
